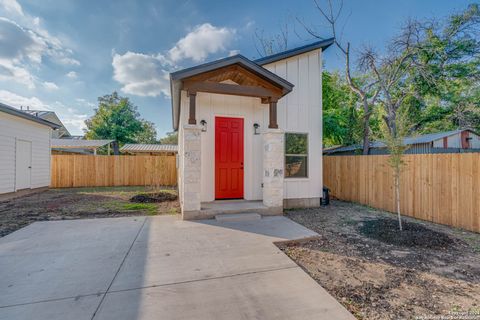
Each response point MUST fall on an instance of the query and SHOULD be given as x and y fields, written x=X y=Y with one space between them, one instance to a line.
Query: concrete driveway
x=158 y=268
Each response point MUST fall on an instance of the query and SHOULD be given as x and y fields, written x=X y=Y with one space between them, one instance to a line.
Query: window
x=296 y=155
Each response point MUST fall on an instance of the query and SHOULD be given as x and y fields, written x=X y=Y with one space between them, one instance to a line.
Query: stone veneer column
x=273 y=159
x=191 y=168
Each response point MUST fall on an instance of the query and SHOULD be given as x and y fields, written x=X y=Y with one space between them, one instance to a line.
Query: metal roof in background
x=132 y=147
x=19 y=113
x=432 y=136
x=78 y=144
x=426 y=138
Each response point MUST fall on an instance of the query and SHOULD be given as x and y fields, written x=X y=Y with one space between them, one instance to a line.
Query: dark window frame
x=304 y=155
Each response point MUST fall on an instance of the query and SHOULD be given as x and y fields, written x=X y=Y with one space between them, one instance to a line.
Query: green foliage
x=448 y=84
x=148 y=134
x=171 y=138
x=117 y=118
x=443 y=86
x=341 y=119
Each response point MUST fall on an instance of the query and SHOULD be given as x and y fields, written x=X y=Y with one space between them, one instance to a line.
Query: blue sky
x=61 y=55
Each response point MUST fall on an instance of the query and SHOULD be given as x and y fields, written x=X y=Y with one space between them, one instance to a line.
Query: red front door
x=228 y=158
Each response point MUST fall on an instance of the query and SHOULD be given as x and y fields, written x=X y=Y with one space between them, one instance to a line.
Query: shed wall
x=13 y=128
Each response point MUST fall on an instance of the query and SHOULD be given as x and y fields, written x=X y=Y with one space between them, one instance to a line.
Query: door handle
x=29 y=167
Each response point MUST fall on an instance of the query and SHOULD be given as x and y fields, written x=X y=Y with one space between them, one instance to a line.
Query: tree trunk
x=116 y=150
x=366 y=128
x=397 y=196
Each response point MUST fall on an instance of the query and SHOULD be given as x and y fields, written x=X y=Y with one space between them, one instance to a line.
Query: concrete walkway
x=158 y=268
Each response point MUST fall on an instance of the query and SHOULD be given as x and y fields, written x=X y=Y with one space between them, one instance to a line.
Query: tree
x=341 y=119
x=148 y=134
x=450 y=51
x=396 y=149
x=266 y=45
x=366 y=91
x=116 y=118
x=171 y=138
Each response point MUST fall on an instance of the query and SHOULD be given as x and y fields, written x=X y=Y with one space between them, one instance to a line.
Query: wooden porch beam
x=191 y=115
x=230 y=89
x=273 y=124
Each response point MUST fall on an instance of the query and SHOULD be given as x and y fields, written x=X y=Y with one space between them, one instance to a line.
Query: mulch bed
x=412 y=234
x=154 y=197
x=378 y=272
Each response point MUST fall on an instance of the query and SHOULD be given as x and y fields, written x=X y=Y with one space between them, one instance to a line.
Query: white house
x=24 y=150
x=250 y=130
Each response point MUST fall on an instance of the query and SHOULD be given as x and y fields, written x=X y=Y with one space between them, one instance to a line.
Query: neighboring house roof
x=18 y=113
x=52 y=117
x=78 y=144
x=132 y=147
x=433 y=136
x=426 y=138
x=177 y=77
x=323 y=44
x=327 y=149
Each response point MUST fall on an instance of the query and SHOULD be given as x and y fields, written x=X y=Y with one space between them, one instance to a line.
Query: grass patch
x=151 y=208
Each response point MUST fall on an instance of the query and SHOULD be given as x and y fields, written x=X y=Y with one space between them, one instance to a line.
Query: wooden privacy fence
x=442 y=188
x=104 y=171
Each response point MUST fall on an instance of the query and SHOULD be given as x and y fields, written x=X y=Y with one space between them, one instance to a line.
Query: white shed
x=250 y=132
x=24 y=150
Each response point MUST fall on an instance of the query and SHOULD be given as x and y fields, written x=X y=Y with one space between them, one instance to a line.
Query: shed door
x=23 y=165
x=228 y=158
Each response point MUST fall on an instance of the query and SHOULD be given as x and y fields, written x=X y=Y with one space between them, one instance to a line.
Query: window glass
x=296 y=155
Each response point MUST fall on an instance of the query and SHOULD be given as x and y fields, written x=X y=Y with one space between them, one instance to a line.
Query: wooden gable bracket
x=267 y=95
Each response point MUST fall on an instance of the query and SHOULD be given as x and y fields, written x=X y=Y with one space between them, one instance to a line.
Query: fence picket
x=103 y=171
x=442 y=188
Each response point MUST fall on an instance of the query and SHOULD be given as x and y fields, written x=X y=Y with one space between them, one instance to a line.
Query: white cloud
x=233 y=52
x=77 y=122
x=148 y=75
x=70 y=117
x=12 y=6
x=24 y=44
x=72 y=75
x=203 y=40
x=11 y=72
x=82 y=101
x=50 y=86
x=18 y=101
x=141 y=74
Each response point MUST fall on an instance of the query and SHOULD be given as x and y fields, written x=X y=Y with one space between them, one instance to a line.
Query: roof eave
x=323 y=45
x=15 y=112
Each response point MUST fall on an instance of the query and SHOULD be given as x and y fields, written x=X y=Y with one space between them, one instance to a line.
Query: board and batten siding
x=299 y=111
x=13 y=128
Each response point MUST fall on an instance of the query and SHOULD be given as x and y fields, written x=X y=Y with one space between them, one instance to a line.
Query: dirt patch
x=79 y=203
x=376 y=274
x=154 y=197
x=412 y=234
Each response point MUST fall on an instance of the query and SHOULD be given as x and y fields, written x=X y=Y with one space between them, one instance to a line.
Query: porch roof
x=177 y=78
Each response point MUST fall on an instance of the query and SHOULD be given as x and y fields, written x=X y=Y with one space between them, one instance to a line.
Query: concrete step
x=238 y=217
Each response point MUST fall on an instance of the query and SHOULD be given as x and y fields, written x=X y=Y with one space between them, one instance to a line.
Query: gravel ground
x=78 y=203
x=377 y=272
